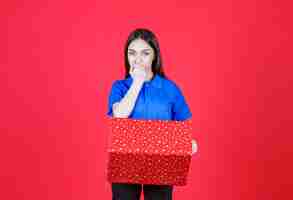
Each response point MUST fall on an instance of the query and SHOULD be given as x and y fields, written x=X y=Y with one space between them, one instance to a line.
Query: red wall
x=233 y=61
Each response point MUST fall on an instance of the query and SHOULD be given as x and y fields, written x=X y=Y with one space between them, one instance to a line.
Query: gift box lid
x=163 y=137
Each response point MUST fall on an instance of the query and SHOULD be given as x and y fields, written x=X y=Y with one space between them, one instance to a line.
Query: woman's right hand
x=138 y=73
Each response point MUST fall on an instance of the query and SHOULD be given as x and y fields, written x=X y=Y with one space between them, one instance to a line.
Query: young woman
x=145 y=93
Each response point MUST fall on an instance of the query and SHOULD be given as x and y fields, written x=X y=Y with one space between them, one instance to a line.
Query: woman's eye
x=144 y=53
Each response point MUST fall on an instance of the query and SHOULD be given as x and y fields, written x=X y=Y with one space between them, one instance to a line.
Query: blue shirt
x=159 y=99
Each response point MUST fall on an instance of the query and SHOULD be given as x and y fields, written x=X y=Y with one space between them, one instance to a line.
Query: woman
x=145 y=93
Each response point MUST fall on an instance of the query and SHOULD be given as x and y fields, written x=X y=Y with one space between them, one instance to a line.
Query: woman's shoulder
x=121 y=83
x=170 y=84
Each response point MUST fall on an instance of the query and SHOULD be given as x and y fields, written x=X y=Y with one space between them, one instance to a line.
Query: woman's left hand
x=194 y=146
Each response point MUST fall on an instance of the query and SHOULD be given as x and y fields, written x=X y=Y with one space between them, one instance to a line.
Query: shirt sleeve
x=180 y=109
x=116 y=94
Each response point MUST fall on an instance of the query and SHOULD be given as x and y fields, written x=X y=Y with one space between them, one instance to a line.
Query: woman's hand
x=138 y=73
x=194 y=147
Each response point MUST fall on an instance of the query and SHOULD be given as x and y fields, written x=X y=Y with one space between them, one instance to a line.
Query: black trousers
x=125 y=191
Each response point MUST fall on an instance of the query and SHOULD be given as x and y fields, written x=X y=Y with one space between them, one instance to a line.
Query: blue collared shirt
x=158 y=98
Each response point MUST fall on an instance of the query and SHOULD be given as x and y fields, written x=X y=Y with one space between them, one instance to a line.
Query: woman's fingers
x=194 y=147
x=131 y=69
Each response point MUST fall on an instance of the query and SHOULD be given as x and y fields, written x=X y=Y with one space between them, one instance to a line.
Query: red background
x=232 y=59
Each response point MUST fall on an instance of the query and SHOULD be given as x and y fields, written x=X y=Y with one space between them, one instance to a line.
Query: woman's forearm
x=124 y=107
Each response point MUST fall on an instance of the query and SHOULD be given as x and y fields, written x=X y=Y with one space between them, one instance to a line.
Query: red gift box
x=149 y=151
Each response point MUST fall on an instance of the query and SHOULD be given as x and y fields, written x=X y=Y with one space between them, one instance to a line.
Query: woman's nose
x=138 y=60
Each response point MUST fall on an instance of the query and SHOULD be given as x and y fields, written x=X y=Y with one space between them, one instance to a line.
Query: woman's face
x=140 y=54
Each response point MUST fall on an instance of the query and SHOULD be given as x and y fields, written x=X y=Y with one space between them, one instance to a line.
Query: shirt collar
x=156 y=81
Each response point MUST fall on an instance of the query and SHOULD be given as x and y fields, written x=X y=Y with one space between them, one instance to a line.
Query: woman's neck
x=149 y=76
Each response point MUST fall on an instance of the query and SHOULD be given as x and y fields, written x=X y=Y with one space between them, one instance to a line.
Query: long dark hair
x=151 y=39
